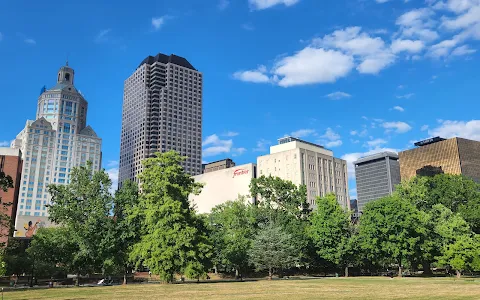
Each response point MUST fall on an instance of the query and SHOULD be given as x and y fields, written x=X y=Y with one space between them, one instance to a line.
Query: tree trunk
x=399 y=270
x=216 y=269
x=459 y=274
x=426 y=268
x=270 y=274
x=77 y=280
x=125 y=278
x=346 y=271
x=236 y=273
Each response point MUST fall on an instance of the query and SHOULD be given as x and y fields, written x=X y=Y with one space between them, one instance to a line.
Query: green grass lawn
x=323 y=288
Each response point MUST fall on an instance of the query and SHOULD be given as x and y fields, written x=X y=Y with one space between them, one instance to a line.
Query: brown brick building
x=437 y=155
x=10 y=164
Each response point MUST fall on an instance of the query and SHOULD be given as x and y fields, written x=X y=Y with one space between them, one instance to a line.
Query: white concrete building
x=306 y=163
x=162 y=111
x=52 y=144
x=222 y=186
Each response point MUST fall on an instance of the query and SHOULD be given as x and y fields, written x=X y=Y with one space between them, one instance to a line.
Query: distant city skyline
x=377 y=78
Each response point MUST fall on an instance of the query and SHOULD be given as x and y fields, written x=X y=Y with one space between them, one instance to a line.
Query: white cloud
x=400 y=87
x=334 y=144
x=449 y=129
x=407 y=46
x=376 y=142
x=230 y=134
x=248 y=26
x=262 y=145
x=406 y=96
x=371 y=52
x=302 y=133
x=398 y=127
x=331 y=139
x=312 y=65
x=353 y=132
x=158 y=22
x=399 y=108
x=213 y=146
x=264 y=4
x=463 y=50
x=469 y=18
x=30 y=41
x=102 y=36
x=238 y=151
x=4 y=143
x=223 y=4
x=112 y=172
x=443 y=48
x=418 y=23
x=338 y=95
x=257 y=76
x=424 y=128
x=331 y=135
x=112 y=163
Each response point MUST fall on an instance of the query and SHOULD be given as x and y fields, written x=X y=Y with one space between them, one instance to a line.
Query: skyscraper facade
x=309 y=164
x=52 y=144
x=162 y=111
x=376 y=176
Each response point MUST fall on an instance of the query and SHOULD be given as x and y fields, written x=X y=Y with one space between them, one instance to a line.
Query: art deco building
x=162 y=111
x=376 y=176
x=51 y=145
x=306 y=163
x=437 y=155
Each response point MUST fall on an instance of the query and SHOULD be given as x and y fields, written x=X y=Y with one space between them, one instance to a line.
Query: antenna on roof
x=66 y=63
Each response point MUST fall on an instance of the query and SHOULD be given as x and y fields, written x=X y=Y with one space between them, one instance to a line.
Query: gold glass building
x=437 y=155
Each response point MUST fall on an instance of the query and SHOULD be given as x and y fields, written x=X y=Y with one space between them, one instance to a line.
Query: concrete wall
x=222 y=186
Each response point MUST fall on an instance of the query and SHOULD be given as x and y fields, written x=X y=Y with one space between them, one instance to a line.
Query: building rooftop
x=173 y=59
x=429 y=141
x=289 y=139
x=376 y=156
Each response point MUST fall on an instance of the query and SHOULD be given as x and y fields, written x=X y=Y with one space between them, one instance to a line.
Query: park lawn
x=322 y=288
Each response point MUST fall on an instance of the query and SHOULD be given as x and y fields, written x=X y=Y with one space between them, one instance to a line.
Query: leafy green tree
x=83 y=207
x=3 y=264
x=173 y=239
x=330 y=231
x=462 y=255
x=52 y=247
x=126 y=225
x=285 y=204
x=281 y=194
x=273 y=250
x=457 y=193
x=392 y=231
x=233 y=228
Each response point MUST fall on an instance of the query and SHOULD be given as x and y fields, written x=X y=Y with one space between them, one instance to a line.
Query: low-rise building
x=223 y=185
x=437 y=155
x=10 y=165
x=218 y=165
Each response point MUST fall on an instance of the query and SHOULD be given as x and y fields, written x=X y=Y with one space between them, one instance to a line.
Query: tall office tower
x=55 y=142
x=162 y=111
x=437 y=155
x=306 y=163
x=10 y=165
x=376 y=176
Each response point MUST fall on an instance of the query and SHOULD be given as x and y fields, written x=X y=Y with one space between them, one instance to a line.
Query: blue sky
x=357 y=76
